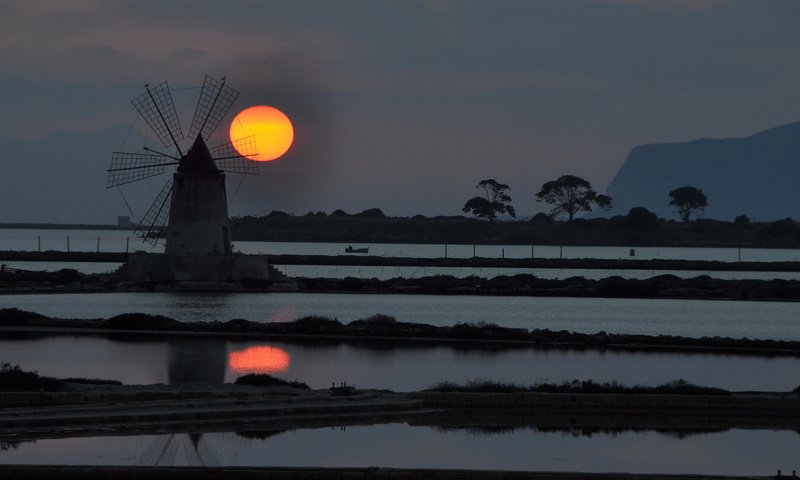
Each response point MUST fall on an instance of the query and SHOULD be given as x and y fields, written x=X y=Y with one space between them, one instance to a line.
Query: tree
x=496 y=201
x=570 y=195
x=688 y=200
x=641 y=218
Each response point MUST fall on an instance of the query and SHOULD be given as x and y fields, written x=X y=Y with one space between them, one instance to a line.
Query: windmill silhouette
x=191 y=209
x=199 y=178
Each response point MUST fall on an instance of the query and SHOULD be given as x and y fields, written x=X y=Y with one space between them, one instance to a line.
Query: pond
x=143 y=359
x=733 y=452
x=693 y=318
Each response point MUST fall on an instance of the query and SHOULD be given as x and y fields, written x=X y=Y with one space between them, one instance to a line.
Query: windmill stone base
x=144 y=267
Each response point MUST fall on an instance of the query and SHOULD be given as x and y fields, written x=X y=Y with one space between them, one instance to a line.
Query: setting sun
x=272 y=129
x=261 y=359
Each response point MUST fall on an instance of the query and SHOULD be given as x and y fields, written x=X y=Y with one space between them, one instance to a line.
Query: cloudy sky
x=406 y=105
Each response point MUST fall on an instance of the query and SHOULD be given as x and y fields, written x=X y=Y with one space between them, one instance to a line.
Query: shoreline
x=470 y=262
x=142 y=409
x=91 y=472
x=385 y=329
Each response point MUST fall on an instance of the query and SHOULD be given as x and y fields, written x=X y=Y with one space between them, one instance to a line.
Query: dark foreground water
x=734 y=452
x=693 y=318
x=400 y=367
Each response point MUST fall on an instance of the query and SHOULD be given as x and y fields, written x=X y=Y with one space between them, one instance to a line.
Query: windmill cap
x=198 y=159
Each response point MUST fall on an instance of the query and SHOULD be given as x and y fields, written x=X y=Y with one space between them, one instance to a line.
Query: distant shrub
x=577 y=386
x=139 y=321
x=314 y=320
x=91 y=381
x=682 y=386
x=478 y=385
x=13 y=315
x=377 y=319
x=14 y=379
x=742 y=220
x=277 y=213
x=541 y=218
x=641 y=218
x=320 y=214
x=264 y=380
x=371 y=213
x=339 y=213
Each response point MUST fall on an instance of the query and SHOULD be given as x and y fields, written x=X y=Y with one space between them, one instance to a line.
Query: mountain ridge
x=753 y=175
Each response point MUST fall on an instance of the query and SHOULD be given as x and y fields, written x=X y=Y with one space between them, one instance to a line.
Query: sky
x=400 y=105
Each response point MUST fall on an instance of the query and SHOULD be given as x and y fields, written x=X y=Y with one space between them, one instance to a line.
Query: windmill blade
x=150 y=229
x=157 y=109
x=215 y=100
x=236 y=156
x=131 y=167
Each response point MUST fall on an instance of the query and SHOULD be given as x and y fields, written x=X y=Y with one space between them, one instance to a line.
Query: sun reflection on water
x=260 y=359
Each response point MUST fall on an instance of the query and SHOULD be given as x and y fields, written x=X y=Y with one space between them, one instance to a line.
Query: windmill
x=191 y=208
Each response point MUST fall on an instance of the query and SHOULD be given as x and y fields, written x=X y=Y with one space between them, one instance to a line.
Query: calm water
x=123 y=240
x=378 y=365
x=386 y=273
x=694 y=318
x=734 y=452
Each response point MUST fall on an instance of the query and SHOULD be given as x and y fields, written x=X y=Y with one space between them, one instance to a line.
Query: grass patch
x=477 y=386
x=91 y=381
x=379 y=319
x=679 y=386
x=264 y=380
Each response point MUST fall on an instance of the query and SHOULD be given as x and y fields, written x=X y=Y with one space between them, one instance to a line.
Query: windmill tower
x=191 y=209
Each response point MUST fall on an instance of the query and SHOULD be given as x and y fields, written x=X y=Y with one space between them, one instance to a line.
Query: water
x=124 y=240
x=389 y=272
x=382 y=365
x=83 y=267
x=693 y=318
x=734 y=452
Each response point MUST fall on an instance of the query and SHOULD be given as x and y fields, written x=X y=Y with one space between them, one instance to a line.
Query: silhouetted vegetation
x=265 y=380
x=569 y=195
x=687 y=201
x=494 y=202
x=679 y=386
x=14 y=379
x=468 y=335
x=91 y=381
x=639 y=227
x=139 y=321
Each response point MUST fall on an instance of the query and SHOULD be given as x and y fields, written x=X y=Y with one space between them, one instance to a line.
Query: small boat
x=350 y=249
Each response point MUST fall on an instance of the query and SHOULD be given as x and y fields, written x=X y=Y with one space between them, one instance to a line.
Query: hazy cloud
x=661 y=4
x=190 y=53
x=443 y=92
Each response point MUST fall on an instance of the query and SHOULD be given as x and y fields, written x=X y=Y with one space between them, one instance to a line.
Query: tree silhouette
x=688 y=200
x=570 y=195
x=496 y=201
x=641 y=218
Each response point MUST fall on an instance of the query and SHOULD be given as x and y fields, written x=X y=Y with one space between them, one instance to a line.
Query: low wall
x=768 y=404
x=40 y=472
x=142 y=267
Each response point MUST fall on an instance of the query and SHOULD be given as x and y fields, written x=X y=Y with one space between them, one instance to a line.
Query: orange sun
x=260 y=359
x=272 y=130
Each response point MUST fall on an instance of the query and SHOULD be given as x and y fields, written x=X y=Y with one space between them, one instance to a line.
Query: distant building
x=124 y=221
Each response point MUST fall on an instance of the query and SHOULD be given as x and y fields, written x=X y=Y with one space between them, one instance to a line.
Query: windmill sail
x=130 y=167
x=149 y=230
x=215 y=100
x=236 y=156
x=157 y=109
